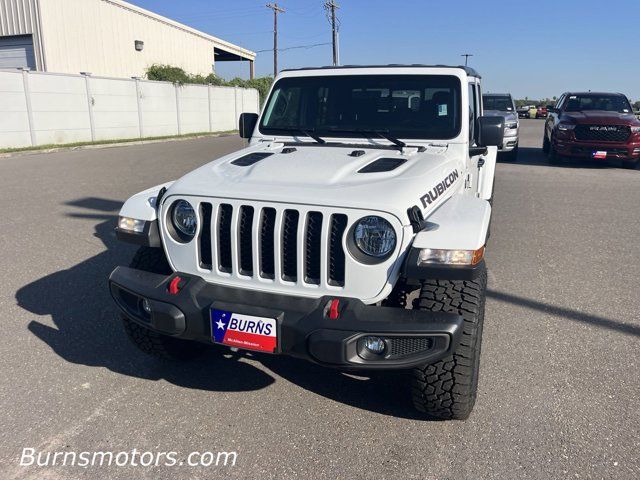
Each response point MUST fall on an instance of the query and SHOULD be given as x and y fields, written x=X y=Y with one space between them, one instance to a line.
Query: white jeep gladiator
x=360 y=187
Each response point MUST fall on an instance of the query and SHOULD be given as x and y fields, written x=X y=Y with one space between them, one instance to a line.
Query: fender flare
x=142 y=206
x=461 y=223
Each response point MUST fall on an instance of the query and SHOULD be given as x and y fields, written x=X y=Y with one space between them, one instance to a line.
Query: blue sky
x=534 y=48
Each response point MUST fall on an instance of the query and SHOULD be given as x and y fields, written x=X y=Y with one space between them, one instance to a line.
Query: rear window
x=607 y=103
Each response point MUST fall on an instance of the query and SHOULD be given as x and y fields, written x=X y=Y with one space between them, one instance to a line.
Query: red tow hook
x=334 y=311
x=175 y=285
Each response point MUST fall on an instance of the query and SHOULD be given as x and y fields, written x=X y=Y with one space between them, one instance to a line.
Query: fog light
x=146 y=306
x=374 y=345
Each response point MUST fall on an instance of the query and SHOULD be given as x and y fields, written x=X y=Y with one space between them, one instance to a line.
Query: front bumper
x=509 y=142
x=304 y=328
x=615 y=151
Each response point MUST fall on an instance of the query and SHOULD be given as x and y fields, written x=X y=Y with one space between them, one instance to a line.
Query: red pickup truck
x=599 y=126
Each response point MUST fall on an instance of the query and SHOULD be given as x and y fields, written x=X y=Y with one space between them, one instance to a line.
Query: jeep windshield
x=500 y=103
x=607 y=103
x=371 y=106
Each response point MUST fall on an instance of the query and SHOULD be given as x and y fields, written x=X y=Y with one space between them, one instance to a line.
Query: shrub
x=168 y=73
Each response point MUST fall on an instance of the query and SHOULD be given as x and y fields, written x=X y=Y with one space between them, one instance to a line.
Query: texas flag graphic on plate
x=244 y=331
x=601 y=155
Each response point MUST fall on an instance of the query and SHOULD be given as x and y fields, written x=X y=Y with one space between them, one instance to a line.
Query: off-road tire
x=150 y=342
x=447 y=389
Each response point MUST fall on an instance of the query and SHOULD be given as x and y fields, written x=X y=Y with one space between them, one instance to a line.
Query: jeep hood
x=329 y=176
x=600 y=117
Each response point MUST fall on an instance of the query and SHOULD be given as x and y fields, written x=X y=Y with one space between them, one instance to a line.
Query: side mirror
x=247 y=124
x=491 y=131
x=550 y=107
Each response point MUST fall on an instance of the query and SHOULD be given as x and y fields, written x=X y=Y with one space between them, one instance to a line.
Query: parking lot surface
x=559 y=393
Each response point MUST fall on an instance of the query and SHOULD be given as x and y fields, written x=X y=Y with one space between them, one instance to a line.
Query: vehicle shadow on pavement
x=536 y=157
x=88 y=329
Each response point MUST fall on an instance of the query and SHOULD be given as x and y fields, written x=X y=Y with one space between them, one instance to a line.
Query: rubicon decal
x=243 y=331
x=439 y=189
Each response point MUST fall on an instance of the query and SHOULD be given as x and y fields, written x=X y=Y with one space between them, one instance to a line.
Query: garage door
x=16 y=52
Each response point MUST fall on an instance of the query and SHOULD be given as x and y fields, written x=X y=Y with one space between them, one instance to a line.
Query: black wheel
x=512 y=156
x=552 y=155
x=447 y=389
x=631 y=165
x=151 y=342
x=545 y=144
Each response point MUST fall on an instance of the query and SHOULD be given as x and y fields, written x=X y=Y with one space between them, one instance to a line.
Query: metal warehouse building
x=104 y=37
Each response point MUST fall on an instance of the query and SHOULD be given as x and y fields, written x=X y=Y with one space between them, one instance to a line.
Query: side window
x=473 y=112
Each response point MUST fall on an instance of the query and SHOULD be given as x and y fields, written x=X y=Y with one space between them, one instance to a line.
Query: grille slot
x=404 y=346
x=204 y=241
x=245 y=240
x=289 y=245
x=267 y=245
x=313 y=246
x=336 y=253
x=603 y=133
x=224 y=237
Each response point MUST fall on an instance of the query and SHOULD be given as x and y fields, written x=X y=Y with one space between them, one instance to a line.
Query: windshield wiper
x=307 y=132
x=381 y=133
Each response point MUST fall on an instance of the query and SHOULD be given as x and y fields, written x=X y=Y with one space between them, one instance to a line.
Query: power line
x=276 y=10
x=331 y=6
x=293 y=48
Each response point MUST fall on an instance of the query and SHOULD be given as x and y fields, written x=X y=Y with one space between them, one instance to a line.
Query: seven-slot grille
x=603 y=133
x=263 y=242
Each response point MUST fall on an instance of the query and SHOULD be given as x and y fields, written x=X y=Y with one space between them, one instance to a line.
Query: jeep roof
x=468 y=70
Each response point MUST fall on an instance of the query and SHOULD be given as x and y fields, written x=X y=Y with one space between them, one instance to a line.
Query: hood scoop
x=382 y=165
x=251 y=158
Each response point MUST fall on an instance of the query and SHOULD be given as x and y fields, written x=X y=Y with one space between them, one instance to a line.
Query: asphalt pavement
x=559 y=393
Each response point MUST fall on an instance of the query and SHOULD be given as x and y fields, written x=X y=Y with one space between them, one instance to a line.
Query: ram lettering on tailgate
x=243 y=331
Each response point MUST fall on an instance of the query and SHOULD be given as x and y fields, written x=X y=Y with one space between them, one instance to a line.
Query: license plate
x=600 y=154
x=244 y=331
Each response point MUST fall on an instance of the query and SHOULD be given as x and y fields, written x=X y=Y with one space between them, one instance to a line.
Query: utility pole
x=331 y=6
x=466 y=57
x=276 y=10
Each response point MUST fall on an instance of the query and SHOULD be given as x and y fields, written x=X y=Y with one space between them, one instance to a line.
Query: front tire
x=631 y=165
x=552 y=155
x=149 y=341
x=447 y=389
x=512 y=156
x=545 y=144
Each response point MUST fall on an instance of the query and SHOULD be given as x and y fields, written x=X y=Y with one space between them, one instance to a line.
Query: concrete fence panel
x=46 y=108
x=194 y=108
x=223 y=108
x=115 y=108
x=14 y=116
x=59 y=108
x=159 y=108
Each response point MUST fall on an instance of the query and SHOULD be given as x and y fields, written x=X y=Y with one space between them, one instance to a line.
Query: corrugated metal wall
x=21 y=17
x=98 y=36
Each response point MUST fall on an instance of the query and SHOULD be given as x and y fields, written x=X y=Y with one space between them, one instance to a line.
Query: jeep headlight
x=374 y=236
x=184 y=219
